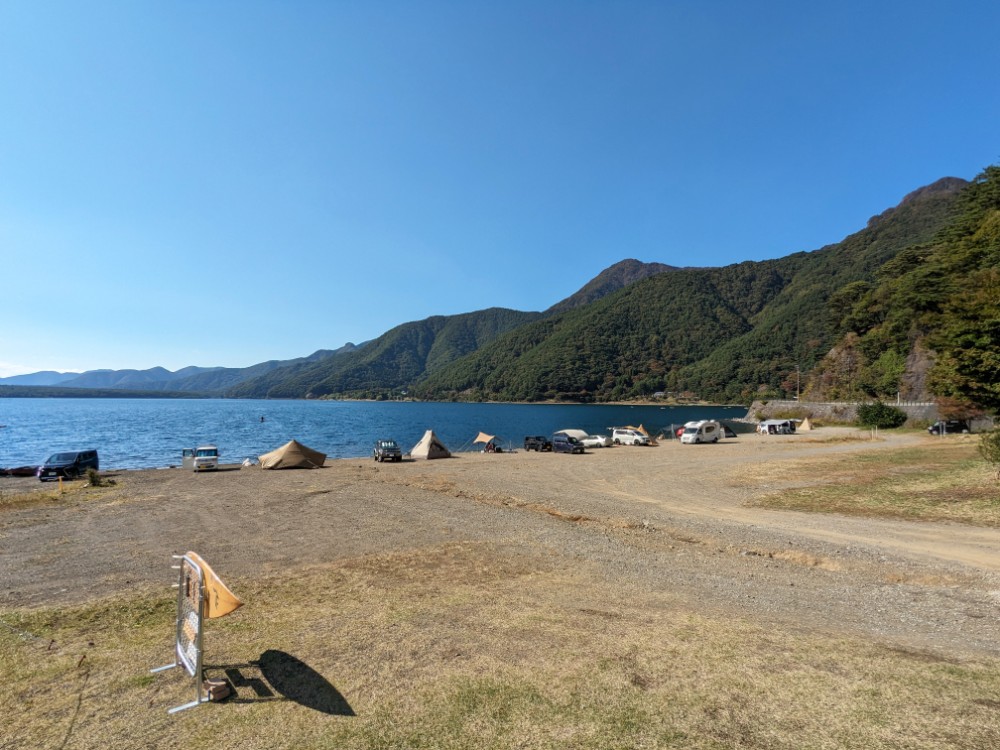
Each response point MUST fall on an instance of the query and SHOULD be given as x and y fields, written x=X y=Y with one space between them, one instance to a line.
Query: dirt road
x=669 y=518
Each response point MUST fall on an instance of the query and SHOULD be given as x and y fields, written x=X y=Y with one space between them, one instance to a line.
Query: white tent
x=429 y=447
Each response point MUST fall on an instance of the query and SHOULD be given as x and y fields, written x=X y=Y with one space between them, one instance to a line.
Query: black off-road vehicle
x=537 y=443
x=386 y=450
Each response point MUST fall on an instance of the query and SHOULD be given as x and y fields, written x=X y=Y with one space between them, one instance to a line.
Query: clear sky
x=223 y=183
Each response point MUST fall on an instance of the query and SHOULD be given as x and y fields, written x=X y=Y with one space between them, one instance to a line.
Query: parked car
x=206 y=458
x=386 y=450
x=949 y=427
x=597 y=441
x=69 y=465
x=537 y=443
x=563 y=443
x=627 y=436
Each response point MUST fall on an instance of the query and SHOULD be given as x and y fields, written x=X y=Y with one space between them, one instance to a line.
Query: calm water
x=141 y=433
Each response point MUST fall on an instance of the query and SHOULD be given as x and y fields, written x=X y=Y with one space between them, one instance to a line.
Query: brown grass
x=470 y=646
x=941 y=481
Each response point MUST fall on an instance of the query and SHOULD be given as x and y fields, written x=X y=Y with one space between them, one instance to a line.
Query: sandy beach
x=671 y=518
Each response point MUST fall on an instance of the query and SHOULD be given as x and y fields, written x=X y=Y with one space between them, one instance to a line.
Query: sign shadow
x=279 y=676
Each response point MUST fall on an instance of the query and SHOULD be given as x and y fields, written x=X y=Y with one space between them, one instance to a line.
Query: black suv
x=386 y=450
x=69 y=465
x=948 y=427
x=537 y=443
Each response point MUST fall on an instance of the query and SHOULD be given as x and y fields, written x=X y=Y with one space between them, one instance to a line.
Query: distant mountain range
x=199 y=380
x=849 y=320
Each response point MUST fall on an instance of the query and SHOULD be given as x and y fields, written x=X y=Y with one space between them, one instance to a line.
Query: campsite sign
x=201 y=595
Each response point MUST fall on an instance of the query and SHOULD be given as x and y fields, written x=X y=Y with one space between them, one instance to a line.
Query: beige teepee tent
x=429 y=447
x=292 y=455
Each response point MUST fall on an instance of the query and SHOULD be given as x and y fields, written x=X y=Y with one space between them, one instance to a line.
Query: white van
x=703 y=431
x=206 y=458
x=625 y=436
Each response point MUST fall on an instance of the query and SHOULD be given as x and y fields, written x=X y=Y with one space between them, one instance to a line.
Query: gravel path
x=670 y=519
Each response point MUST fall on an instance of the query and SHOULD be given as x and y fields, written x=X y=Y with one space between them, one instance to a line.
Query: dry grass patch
x=941 y=482
x=473 y=646
x=48 y=493
x=797 y=557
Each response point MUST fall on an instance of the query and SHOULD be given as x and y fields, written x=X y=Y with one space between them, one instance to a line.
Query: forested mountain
x=930 y=319
x=618 y=276
x=391 y=362
x=910 y=304
x=412 y=351
x=796 y=329
x=42 y=378
x=720 y=333
x=153 y=379
x=221 y=379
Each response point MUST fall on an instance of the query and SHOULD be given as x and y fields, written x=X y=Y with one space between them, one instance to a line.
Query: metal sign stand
x=188 y=634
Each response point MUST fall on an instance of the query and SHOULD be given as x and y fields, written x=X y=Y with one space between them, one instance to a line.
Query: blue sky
x=223 y=183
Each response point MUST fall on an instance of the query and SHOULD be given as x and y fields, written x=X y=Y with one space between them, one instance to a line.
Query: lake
x=150 y=433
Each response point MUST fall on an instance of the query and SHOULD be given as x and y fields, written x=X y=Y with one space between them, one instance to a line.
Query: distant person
x=262 y=419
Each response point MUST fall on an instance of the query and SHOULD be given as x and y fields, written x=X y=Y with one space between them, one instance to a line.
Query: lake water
x=150 y=433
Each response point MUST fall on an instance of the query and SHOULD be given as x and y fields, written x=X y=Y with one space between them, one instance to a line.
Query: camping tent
x=482 y=437
x=429 y=447
x=806 y=425
x=292 y=455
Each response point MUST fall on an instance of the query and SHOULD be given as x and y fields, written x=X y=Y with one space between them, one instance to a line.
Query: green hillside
x=930 y=320
x=389 y=363
x=906 y=305
x=796 y=329
x=723 y=334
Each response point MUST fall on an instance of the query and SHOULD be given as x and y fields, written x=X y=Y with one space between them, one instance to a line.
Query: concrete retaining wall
x=832 y=411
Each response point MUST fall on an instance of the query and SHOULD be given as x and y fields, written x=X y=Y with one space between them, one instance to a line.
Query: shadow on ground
x=276 y=676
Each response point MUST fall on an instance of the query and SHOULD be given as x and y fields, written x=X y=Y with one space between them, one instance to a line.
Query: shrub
x=880 y=415
x=989 y=449
x=95 y=478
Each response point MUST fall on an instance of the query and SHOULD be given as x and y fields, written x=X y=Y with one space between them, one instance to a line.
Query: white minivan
x=626 y=436
x=206 y=458
x=703 y=431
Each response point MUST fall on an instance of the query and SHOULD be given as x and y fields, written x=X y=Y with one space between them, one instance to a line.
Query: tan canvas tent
x=292 y=455
x=429 y=447
x=806 y=425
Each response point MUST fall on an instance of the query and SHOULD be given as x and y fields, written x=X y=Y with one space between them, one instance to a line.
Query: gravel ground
x=669 y=519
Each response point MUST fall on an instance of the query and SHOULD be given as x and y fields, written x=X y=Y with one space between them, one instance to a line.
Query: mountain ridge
x=728 y=333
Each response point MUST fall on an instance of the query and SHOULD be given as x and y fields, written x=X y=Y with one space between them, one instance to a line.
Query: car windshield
x=388 y=444
x=691 y=430
x=61 y=458
x=207 y=452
